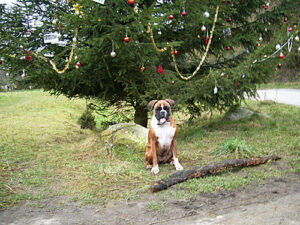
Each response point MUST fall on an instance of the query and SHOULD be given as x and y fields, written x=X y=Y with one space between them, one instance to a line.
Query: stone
x=128 y=135
x=240 y=113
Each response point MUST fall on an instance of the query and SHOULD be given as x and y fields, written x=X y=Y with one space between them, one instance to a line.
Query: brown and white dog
x=162 y=134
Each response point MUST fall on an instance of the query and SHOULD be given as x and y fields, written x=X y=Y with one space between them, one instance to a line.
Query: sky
x=7 y=1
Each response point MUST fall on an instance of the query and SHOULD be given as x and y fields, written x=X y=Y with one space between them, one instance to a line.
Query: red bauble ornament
x=229 y=19
x=281 y=55
x=78 y=65
x=143 y=68
x=171 y=17
x=228 y=48
x=29 y=52
x=126 y=39
x=28 y=58
x=236 y=84
x=266 y=7
x=290 y=29
x=285 y=19
x=175 y=52
x=0 y=61
x=130 y=2
x=279 y=65
x=184 y=13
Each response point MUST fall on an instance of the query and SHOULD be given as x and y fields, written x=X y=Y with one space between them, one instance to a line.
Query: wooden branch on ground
x=212 y=168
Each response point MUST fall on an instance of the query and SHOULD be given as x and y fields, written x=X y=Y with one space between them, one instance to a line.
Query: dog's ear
x=152 y=103
x=171 y=102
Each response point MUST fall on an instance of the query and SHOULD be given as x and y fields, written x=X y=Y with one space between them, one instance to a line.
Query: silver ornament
x=297 y=38
x=203 y=28
x=206 y=14
x=215 y=90
x=113 y=54
x=277 y=46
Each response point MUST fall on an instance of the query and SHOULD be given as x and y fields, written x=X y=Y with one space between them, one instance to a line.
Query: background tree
x=131 y=74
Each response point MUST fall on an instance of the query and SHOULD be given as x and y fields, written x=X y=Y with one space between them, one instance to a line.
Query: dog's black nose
x=163 y=113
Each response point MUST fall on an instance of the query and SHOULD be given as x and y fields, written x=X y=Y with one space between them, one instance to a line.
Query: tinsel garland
x=172 y=48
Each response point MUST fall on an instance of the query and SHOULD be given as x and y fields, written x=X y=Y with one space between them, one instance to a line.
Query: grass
x=156 y=206
x=273 y=85
x=44 y=153
x=238 y=147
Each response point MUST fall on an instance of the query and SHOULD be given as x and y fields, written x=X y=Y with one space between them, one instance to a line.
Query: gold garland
x=172 y=48
x=70 y=57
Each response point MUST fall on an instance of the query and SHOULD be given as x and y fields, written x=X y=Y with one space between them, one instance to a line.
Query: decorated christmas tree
x=204 y=54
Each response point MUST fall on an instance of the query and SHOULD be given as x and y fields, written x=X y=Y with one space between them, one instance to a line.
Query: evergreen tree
x=114 y=69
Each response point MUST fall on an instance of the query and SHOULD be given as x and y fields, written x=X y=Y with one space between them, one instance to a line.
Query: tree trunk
x=141 y=115
x=209 y=169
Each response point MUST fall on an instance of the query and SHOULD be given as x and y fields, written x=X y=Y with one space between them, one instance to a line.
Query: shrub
x=87 y=120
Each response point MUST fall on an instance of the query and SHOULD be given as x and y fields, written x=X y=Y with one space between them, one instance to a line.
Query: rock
x=129 y=135
x=240 y=113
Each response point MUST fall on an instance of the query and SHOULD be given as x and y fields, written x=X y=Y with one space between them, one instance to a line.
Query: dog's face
x=161 y=110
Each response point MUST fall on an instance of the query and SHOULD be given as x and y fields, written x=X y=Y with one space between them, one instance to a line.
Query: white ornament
x=299 y=49
x=222 y=74
x=203 y=28
x=74 y=38
x=215 y=90
x=99 y=1
x=260 y=38
x=277 y=46
x=268 y=4
x=206 y=14
x=297 y=38
x=113 y=54
x=159 y=32
x=54 y=22
x=23 y=74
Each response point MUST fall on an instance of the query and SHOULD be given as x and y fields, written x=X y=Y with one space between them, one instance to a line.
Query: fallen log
x=212 y=168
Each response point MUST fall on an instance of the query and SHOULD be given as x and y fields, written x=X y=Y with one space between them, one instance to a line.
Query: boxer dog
x=162 y=134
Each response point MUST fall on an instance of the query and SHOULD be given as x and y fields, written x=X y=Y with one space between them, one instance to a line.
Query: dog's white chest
x=165 y=132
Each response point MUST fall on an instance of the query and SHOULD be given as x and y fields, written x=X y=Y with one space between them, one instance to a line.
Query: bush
x=87 y=120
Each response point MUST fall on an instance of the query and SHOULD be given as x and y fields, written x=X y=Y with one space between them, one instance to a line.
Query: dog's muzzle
x=163 y=117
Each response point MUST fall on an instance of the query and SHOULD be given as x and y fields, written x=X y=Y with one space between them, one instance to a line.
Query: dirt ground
x=276 y=201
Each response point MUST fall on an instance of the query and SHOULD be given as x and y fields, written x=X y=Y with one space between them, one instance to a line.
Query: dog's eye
x=166 y=108
x=158 y=108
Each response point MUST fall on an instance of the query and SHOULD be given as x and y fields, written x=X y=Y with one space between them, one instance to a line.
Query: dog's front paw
x=155 y=170
x=178 y=167
x=149 y=166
